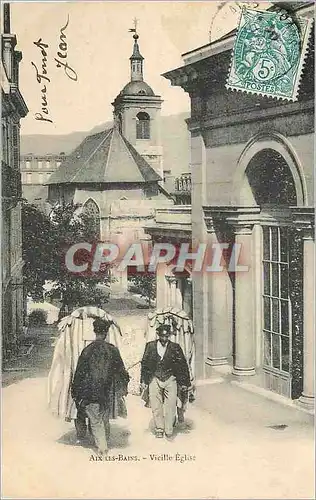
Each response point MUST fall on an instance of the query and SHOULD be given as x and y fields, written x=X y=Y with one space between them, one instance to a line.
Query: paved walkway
x=234 y=445
x=222 y=457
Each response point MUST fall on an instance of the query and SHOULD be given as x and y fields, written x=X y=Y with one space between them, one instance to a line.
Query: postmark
x=269 y=52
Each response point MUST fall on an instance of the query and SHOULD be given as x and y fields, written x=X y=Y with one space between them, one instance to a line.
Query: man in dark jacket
x=163 y=369
x=100 y=368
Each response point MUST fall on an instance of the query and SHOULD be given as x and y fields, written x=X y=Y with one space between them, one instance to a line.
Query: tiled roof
x=145 y=169
x=104 y=157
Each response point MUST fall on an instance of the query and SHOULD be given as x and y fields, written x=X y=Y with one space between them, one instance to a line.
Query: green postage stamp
x=269 y=52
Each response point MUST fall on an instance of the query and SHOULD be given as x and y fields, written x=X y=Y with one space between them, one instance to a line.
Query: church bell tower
x=137 y=111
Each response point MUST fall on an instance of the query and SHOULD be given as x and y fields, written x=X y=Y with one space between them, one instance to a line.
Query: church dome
x=137 y=88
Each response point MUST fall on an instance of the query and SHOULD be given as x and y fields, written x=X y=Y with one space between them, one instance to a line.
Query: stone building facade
x=36 y=171
x=252 y=184
x=13 y=109
x=117 y=174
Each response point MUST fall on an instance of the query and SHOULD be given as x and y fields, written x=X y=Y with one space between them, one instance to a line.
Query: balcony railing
x=182 y=191
x=183 y=183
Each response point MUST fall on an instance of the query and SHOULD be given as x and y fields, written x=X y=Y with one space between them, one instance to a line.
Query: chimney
x=6 y=18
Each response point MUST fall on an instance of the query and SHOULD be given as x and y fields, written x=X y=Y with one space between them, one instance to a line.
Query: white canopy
x=76 y=332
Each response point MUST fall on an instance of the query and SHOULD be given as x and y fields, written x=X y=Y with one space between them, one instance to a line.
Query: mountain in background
x=174 y=134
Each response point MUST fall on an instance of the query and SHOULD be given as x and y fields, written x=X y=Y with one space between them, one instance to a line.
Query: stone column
x=14 y=311
x=308 y=395
x=200 y=323
x=187 y=297
x=219 y=341
x=172 y=291
x=244 y=355
x=8 y=44
x=161 y=287
x=20 y=304
x=199 y=235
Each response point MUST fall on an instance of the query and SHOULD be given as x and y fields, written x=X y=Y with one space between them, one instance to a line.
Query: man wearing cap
x=100 y=372
x=163 y=369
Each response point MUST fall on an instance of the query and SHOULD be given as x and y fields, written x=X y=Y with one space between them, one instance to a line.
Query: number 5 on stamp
x=269 y=52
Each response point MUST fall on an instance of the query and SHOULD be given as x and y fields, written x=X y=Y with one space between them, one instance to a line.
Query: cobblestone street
x=230 y=447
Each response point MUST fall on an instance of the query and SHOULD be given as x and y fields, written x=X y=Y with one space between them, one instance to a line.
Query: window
x=28 y=164
x=136 y=66
x=39 y=165
x=28 y=178
x=276 y=302
x=40 y=178
x=48 y=174
x=48 y=164
x=4 y=143
x=58 y=163
x=91 y=215
x=142 y=126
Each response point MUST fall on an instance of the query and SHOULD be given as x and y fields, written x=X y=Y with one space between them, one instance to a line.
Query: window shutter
x=16 y=145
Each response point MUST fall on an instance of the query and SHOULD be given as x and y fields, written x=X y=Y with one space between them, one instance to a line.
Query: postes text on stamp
x=268 y=54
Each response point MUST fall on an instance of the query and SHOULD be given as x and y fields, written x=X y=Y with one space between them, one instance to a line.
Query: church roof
x=137 y=88
x=106 y=157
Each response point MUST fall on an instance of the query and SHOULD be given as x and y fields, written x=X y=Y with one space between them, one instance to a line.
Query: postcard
x=158 y=250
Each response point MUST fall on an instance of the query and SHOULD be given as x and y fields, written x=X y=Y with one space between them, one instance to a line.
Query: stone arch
x=273 y=141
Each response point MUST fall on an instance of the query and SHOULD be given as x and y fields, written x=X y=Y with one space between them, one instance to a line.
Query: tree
x=45 y=242
x=146 y=286
x=38 y=244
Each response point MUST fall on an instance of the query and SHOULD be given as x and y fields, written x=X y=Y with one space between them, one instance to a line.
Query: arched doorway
x=271 y=180
x=273 y=188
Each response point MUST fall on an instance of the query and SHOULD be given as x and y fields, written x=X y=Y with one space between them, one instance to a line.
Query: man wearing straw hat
x=163 y=369
x=100 y=372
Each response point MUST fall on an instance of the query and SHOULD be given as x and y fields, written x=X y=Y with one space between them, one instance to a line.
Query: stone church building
x=117 y=175
x=252 y=163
